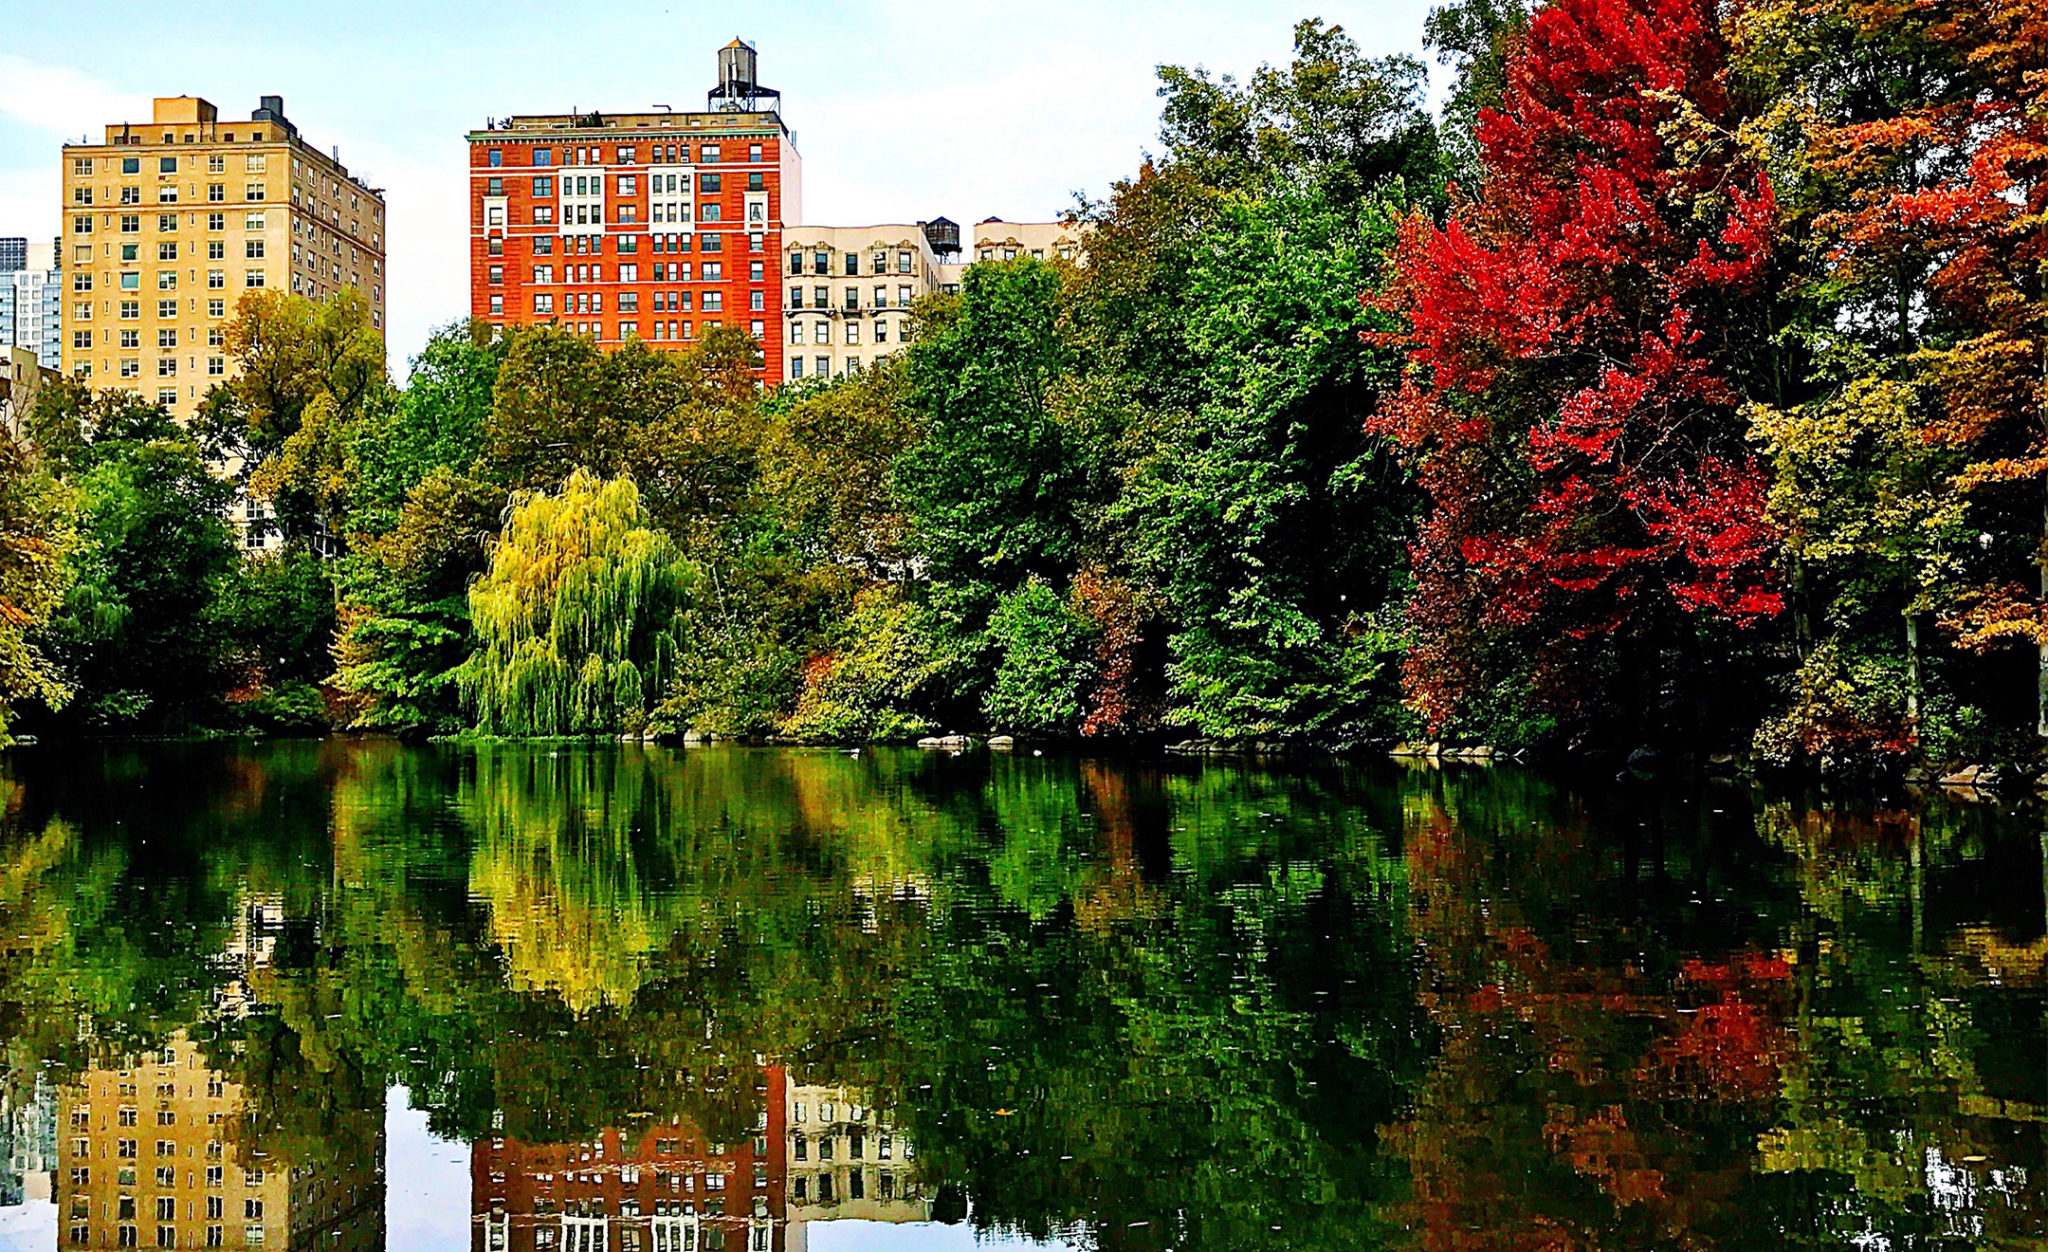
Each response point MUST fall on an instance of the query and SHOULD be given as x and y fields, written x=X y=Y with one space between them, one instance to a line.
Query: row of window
x=626 y=154
x=803 y=1187
x=662 y=272
x=821 y=333
x=627 y=245
x=167 y=1208
x=216 y=163
x=125 y=1236
x=498 y=215
x=821 y=261
x=658 y=331
x=216 y=337
x=821 y=297
x=131 y=310
x=167 y=1175
x=629 y=302
x=660 y=183
x=821 y=367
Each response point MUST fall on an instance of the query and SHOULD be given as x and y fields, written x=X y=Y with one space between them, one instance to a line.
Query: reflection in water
x=733 y=999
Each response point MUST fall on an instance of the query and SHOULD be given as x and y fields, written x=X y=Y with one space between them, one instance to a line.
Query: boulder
x=1967 y=776
x=1001 y=743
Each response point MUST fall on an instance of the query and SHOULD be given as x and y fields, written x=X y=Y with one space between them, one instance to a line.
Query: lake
x=354 y=994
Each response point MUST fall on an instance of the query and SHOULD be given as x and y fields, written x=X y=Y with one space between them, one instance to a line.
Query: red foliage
x=1567 y=414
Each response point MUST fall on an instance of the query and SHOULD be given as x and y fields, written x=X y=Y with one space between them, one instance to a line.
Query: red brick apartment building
x=654 y=225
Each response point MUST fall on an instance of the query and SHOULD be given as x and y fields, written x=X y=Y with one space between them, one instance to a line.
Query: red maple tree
x=1569 y=411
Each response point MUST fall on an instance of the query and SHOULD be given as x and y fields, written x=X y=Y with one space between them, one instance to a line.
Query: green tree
x=136 y=631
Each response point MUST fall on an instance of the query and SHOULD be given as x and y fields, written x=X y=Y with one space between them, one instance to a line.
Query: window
x=496 y=157
x=131 y=165
x=81 y=165
x=543 y=302
x=708 y=212
x=253 y=192
x=167 y=308
x=81 y=339
x=81 y=281
x=167 y=195
x=81 y=195
x=167 y=280
x=629 y=273
x=82 y=224
x=714 y=301
x=252 y=1210
x=216 y=221
x=821 y=263
x=252 y=250
x=216 y=164
x=543 y=156
x=165 y=338
x=754 y=153
x=497 y=304
x=628 y=185
x=131 y=223
x=629 y=302
x=710 y=154
x=255 y=163
x=252 y=278
x=166 y=222
x=131 y=309
x=853 y=340
x=166 y=1206
x=131 y=195
x=754 y=183
x=217 y=308
x=131 y=281
x=757 y=300
x=253 y=221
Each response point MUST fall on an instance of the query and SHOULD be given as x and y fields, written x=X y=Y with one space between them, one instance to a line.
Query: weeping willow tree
x=576 y=619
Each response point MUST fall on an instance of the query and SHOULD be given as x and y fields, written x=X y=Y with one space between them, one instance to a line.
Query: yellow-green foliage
x=576 y=618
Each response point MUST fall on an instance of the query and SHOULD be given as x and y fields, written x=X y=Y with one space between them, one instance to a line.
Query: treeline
x=1680 y=386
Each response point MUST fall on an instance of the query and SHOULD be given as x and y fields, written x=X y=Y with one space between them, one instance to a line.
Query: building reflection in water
x=846 y=1160
x=155 y=1149
x=660 y=1188
x=149 y=1157
x=818 y=1154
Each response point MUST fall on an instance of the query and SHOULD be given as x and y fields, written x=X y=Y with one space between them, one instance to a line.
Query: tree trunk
x=1912 y=668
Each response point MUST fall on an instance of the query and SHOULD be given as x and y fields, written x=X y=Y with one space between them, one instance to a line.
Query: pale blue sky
x=902 y=110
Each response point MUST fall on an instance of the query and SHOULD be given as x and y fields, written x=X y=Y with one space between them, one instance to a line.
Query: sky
x=903 y=111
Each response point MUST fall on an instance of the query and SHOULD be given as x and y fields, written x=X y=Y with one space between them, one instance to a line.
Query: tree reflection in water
x=719 y=998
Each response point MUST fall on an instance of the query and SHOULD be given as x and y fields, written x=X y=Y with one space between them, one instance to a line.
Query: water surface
x=352 y=994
